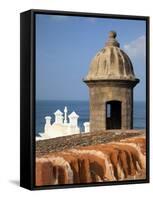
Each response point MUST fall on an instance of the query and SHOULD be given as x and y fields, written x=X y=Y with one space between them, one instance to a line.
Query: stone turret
x=73 y=117
x=111 y=80
x=58 y=117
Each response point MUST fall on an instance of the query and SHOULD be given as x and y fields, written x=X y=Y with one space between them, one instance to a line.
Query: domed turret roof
x=111 y=63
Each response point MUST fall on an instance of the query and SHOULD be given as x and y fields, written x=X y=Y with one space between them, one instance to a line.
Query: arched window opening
x=113 y=115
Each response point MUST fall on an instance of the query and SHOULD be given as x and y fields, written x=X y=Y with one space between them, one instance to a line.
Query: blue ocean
x=47 y=108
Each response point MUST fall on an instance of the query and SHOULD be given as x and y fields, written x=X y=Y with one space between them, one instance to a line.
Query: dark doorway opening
x=113 y=115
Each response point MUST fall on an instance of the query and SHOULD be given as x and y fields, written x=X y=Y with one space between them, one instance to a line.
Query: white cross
x=65 y=115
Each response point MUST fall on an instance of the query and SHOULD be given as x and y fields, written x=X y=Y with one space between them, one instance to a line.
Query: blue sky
x=65 y=47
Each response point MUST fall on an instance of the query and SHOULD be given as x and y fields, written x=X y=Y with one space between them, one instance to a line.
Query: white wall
x=9 y=98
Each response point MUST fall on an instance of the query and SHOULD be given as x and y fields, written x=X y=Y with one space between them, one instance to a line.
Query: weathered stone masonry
x=111 y=81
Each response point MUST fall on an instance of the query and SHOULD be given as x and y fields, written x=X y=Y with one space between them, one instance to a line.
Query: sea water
x=48 y=107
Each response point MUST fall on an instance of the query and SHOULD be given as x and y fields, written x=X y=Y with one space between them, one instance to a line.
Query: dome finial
x=111 y=40
x=112 y=34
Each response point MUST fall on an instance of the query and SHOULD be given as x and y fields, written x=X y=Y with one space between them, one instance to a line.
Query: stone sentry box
x=111 y=80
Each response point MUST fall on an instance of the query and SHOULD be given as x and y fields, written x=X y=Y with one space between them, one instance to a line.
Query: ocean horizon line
x=78 y=100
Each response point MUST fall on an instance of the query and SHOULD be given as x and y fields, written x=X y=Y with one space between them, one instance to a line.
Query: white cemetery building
x=62 y=125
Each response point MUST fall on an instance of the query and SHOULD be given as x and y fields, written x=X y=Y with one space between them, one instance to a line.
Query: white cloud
x=137 y=48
